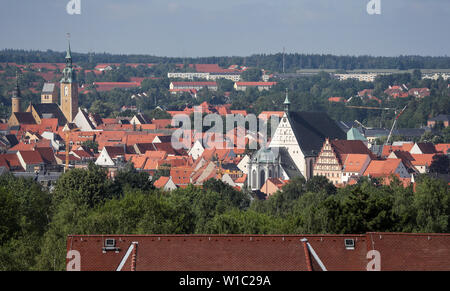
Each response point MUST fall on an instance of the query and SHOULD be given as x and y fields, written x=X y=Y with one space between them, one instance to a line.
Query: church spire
x=69 y=75
x=15 y=100
x=16 y=92
x=286 y=102
x=69 y=53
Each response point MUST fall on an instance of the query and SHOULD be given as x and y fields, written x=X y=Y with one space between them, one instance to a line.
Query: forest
x=35 y=221
x=271 y=62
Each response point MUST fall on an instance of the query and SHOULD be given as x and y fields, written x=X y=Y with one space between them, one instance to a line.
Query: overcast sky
x=194 y=28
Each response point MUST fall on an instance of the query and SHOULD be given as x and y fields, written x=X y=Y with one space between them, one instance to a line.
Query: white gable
x=104 y=159
x=82 y=122
x=284 y=137
x=243 y=164
x=196 y=150
x=415 y=150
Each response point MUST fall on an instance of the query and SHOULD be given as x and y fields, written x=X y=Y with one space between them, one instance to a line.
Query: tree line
x=35 y=222
x=272 y=62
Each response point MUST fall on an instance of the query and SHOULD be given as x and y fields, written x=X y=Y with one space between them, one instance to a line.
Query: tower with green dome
x=69 y=88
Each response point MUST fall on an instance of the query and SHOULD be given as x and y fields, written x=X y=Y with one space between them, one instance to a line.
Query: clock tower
x=69 y=89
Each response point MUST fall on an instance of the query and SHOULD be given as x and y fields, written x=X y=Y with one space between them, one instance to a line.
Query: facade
x=361 y=77
x=242 y=86
x=332 y=159
x=193 y=85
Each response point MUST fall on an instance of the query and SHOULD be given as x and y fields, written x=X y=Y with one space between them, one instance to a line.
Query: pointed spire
x=69 y=52
x=286 y=102
x=16 y=92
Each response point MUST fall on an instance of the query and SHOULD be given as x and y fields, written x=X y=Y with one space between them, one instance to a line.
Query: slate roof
x=50 y=109
x=441 y=117
x=48 y=88
x=24 y=117
x=311 y=129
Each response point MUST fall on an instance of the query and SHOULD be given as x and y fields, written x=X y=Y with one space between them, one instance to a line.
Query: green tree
x=432 y=203
x=252 y=75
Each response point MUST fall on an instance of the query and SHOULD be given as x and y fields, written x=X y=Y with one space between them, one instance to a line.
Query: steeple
x=286 y=102
x=68 y=72
x=15 y=100
x=16 y=92
x=69 y=55
x=69 y=87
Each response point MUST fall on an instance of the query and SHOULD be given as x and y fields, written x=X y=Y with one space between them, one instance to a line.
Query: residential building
x=194 y=85
x=165 y=183
x=242 y=86
x=334 y=154
x=444 y=119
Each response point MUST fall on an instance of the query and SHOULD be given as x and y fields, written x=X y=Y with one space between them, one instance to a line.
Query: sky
x=201 y=28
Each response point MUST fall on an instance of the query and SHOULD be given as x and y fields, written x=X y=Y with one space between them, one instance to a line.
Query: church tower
x=15 y=100
x=69 y=89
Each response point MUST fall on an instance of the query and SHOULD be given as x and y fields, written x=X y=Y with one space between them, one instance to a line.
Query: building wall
x=327 y=164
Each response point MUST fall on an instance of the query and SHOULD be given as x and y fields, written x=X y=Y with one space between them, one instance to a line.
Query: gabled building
x=423 y=148
x=354 y=166
x=83 y=121
x=47 y=111
x=111 y=156
x=294 y=147
x=273 y=185
x=331 y=160
x=49 y=93
x=165 y=183
x=31 y=161
x=442 y=118
x=386 y=168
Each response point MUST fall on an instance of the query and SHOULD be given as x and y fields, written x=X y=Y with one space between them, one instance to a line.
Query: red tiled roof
x=181 y=175
x=382 y=168
x=397 y=251
x=442 y=147
x=336 y=99
x=31 y=157
x=249 y=84
x=162 y=181
x=423 y=159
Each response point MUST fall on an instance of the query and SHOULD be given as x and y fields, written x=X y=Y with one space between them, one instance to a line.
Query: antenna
x=284 y=52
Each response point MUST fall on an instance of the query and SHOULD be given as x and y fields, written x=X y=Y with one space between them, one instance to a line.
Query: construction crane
x=372 y=108
x=395 y=123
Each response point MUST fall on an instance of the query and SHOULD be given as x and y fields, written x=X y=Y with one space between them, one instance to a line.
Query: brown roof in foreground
x=264 y=252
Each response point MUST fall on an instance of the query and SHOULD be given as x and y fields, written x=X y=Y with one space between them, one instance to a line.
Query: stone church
x=48 y=108
x=293 y=148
